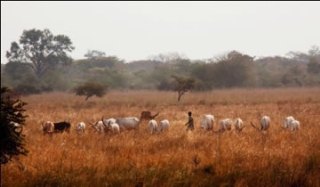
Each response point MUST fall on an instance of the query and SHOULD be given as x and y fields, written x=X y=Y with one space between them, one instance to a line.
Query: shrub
x=11 y=137
x=90 y=89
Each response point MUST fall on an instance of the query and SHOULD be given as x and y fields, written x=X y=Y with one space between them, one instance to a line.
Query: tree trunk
x=87 y=97
x=180 y=95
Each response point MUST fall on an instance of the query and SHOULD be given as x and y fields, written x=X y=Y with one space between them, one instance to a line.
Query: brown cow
x=146 y=115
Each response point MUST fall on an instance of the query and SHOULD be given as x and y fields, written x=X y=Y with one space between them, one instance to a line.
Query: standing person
x=190 y=123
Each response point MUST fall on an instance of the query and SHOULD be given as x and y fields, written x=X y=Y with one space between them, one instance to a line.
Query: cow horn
x=155 y=115
x=254 y=126
x=103 y=122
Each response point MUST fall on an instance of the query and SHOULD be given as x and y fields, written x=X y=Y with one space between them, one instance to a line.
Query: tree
x=203 y=73
x=11 y=137
x=183 y=85
x=314 y=60
x=294 y=76
x=172 y=57
x=314 y=65
x=90 y=89
x=41 y=49
x=94 y=54
x=234 y=70
x=314 y=51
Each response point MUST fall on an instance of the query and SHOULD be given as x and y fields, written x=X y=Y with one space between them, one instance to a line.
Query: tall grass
x=177 y=157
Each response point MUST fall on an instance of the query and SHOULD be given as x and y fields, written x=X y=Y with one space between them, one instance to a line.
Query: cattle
x=153 y=126
x=62 y=126
x=225 y=124
x=81 y=127
x=111 y=125
x=163 y=125
x=207 y=122
x=238 y=124
x=106 y=122
x=146 y=115
x=291 y=123
x=98 y=126
x=287 y=121
x=47 y=127
x=294 y=125
x=265 y=123
x=128 y=123
x=114 y=127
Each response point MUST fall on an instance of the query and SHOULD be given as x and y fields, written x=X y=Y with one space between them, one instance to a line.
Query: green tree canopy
x=94 y=54
x=90 y=89
x=234 y=70
x=41 y=49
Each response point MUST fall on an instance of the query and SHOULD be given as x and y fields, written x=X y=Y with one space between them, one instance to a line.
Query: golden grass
x=177 y=157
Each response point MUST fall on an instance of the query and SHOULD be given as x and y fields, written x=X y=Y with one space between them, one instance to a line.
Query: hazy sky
x=138 y=30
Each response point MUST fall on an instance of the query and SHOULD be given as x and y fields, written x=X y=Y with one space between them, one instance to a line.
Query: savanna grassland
x=176 y=157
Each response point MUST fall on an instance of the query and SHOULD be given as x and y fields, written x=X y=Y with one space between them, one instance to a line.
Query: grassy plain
x=177 y=157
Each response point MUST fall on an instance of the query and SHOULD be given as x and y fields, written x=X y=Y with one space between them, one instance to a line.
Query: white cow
x=107 y=121
x=164 y=125
x=99 y=126
x=225 y=124
x=265 y=123
x=128 y=123
x=294 y=125
x=238 y=124
x=153 y=126
x=81 y=127
x=207 y=122
x=287 y=121
x=114 y=127
x=111 y=125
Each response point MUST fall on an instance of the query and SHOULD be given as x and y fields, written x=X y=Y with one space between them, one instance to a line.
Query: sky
x=140 y=30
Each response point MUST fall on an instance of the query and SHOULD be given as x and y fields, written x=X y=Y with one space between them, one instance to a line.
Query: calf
x=81 y=127
x=163 y=125
x=111 y=125
x=294 y=125
x=265 y=123
x=238 y=124
x=153 y=126
x=287 y=121
x=225 y=124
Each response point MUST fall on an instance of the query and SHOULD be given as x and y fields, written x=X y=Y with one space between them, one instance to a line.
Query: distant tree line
x=40 y=63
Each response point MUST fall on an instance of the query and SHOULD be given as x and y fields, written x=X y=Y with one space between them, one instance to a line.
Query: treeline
x=232 y=70
x=40 y=61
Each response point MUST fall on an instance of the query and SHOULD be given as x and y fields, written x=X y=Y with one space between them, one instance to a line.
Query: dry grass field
x=177 y=157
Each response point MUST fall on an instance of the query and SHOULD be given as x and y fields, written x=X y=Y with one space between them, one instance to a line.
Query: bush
x=11 y=137
x=90 y=89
